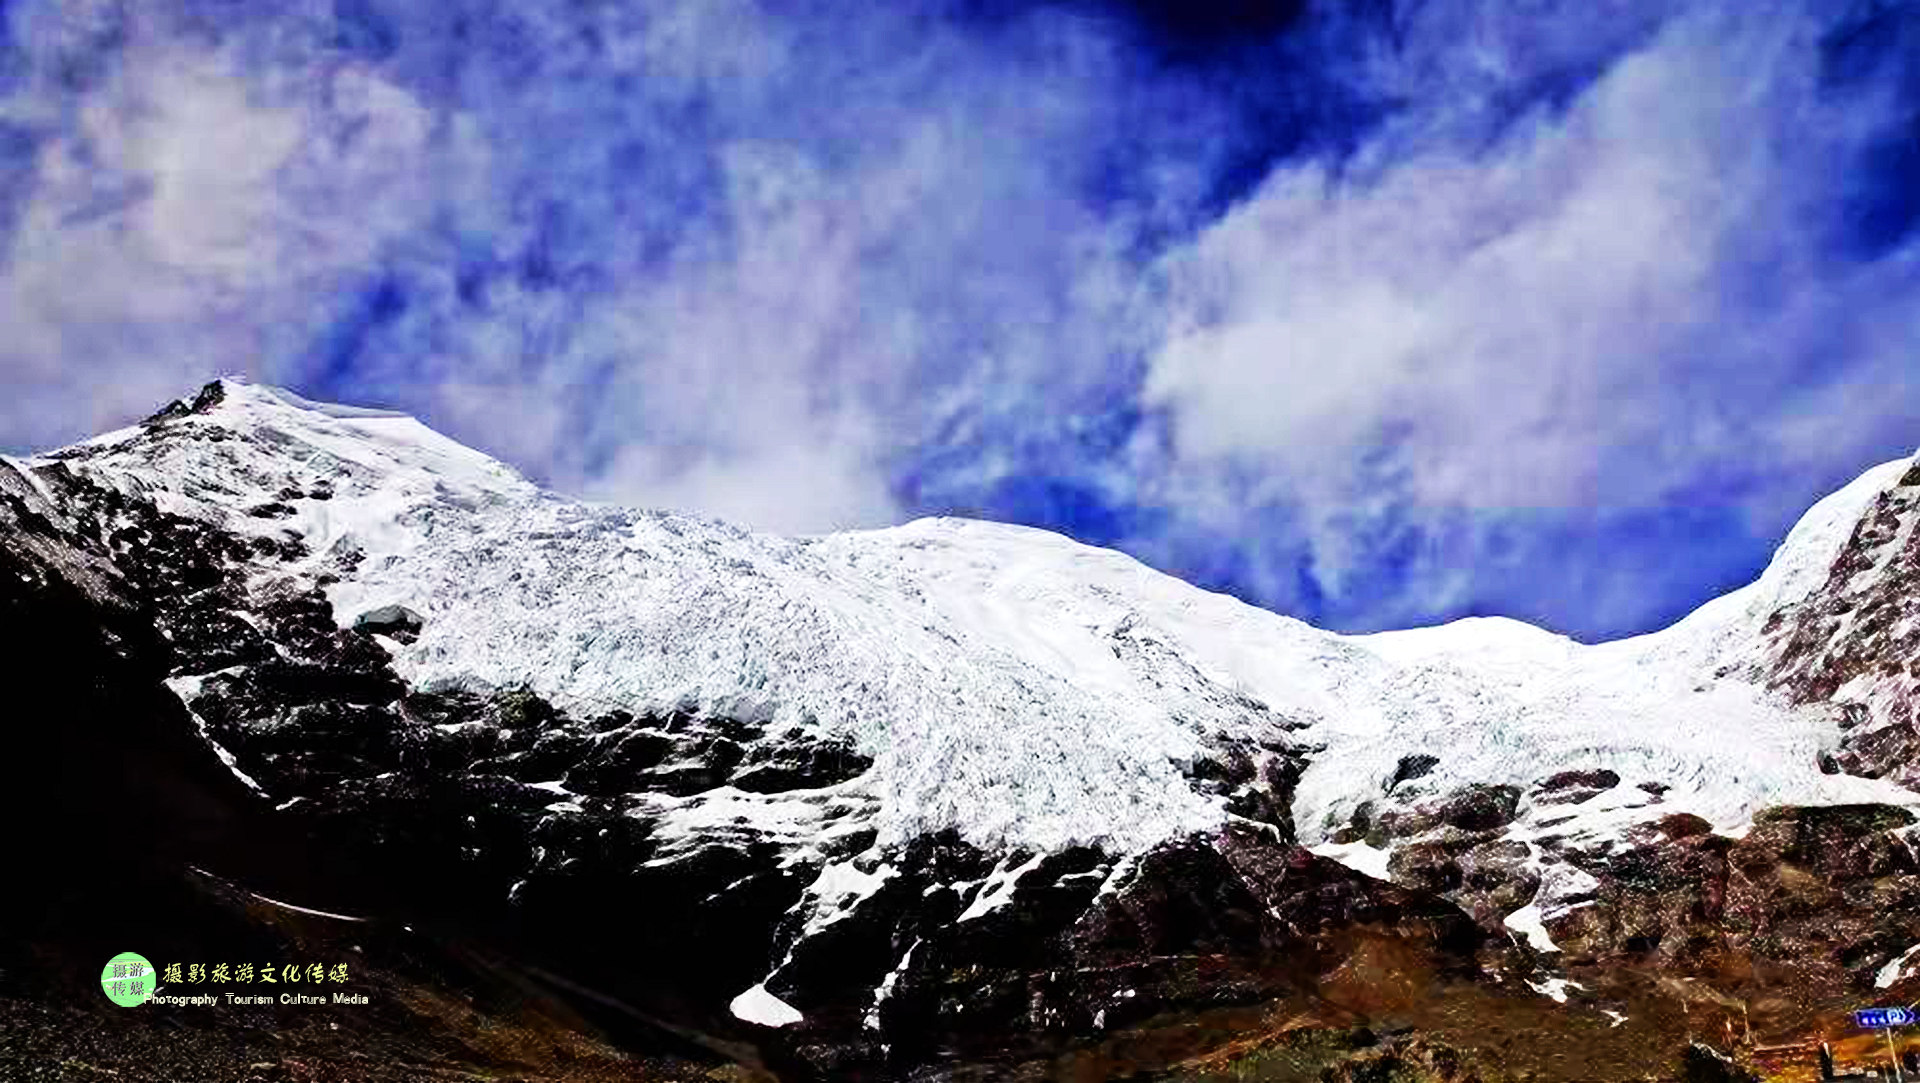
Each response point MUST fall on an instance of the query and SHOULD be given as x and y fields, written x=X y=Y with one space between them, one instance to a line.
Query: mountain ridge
x=957 y=789
x=1043 y=622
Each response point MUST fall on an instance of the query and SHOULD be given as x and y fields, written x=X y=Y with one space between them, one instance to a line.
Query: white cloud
x=781 y=360
x=178 y=226
x=806 y=482
x=764 y=267
x=1553 y=322
x=210 y=155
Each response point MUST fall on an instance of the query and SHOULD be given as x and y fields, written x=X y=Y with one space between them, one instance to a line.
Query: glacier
x=1016 y=686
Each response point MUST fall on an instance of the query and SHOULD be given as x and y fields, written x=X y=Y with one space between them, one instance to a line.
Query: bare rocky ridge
x=665 y=860
x=1854 y=643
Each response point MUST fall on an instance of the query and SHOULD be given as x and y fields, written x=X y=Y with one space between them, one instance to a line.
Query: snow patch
x=887 y=983
x=1895 y=969
x=1357 y=856
x=997 y=889
x=839 y=890
x=1555 y=988
x=1526 y=922
x=309 y=911
x=184 y=689
x=756 y=1005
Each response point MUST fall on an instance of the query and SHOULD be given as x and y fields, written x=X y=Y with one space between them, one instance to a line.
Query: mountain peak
x=236 y=443
x=208 y=398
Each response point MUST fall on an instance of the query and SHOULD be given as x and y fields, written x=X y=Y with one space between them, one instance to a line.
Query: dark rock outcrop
x=395 y=621
x=1825 y=894
x=1410 y=767
x=1573 y=787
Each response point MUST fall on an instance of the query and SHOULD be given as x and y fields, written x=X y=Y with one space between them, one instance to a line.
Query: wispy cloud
x=1642 y=298
x=179 y=214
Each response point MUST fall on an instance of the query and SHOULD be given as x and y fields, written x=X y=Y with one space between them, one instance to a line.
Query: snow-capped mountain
x=958 y=788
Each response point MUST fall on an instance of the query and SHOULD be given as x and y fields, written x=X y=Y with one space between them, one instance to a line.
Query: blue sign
x=1875 y=1018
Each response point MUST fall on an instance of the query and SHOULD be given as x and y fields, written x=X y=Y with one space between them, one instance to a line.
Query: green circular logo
x=128 y=979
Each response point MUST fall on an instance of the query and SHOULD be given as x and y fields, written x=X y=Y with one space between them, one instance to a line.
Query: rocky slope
x=958 y=800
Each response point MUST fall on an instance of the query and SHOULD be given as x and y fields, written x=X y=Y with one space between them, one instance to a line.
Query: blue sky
x=1373 y=313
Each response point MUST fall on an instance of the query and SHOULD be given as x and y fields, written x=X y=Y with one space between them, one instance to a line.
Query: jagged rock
x=1469 y=809
x=1808 y=889
x=208 y=634
x=1839 y=842
x=1495 y=881
x=394 y=621
x=830 y=975
x=553 y=753
x=1417 y=765
x=1426 y=866
x=1573 y=787
x=1662 y=900
x=1859 y=630
x=1481 y=807
x=1486 y=876
x=1359 y=827
x=1678 y=825
x=1196 y=925
x=798 y=763
x=1890 y=750
x=213 y=394
x=1256 y=779
x=613 y=765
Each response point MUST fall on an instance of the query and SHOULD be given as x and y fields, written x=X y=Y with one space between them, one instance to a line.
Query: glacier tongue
x=1010 y=683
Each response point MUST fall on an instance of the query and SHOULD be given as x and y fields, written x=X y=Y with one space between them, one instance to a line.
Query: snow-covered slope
x=1007 y=682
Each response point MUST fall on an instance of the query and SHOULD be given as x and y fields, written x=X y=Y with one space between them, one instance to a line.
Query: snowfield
x=1011 y=683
